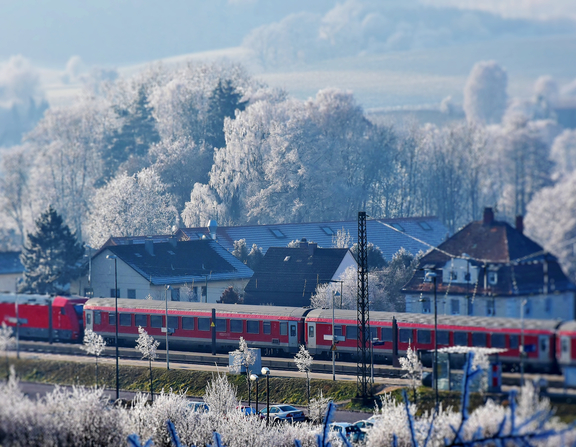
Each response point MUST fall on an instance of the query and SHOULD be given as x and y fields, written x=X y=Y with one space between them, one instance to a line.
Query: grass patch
x=137 y=378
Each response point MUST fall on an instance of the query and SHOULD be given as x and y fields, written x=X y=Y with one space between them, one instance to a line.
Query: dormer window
x=453 y=276
x=397 y=226
x=277 y=233
x=467 y=276
x=492 y=278
x=329 y=231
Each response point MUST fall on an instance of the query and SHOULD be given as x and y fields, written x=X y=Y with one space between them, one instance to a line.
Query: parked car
x=198 y=406
x=284 y=413
x=364 y=426
x=248 y=411
x=350 y=431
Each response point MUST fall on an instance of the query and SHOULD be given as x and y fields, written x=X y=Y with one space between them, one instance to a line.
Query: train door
x=311 y=328
x=293 y=334
x=565 y=349
x=544 y=347
x=89 y=322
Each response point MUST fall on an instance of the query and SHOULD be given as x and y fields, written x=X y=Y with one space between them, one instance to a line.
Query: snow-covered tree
x=413 y=367
x=221 y=395
x=485 y=93
x=147 y=346
x=131 y=206
x=6 y=342
x=342 y=239
x=563 y=154
x=51 y=256
x=94 y=345
x=303 y=361
x=325 y=293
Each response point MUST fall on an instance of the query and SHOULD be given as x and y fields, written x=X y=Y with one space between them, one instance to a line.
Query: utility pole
x=363 y=314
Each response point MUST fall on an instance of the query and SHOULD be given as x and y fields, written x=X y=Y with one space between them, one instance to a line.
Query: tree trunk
x=151 y=386
x=96 y=371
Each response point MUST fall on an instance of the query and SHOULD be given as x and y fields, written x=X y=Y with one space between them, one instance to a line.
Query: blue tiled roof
x=182 y=262
x=10 y=263
x=427 y=229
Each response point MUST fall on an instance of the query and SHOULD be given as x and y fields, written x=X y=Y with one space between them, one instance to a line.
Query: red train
x=43 y=317
x=282 y=329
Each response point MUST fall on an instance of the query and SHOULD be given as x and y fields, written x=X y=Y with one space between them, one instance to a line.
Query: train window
x=173 y=322
x=478 y=339
x=141 y=320
x=203 y=324
x=338 y=331
x=97 y=317
x=112 y=318
x=220 y=325
x=373 y=332
x=443 y=337
x=125 y=319
x=513 y=340
x=460 y=339
x=266 y=327
x=88 y=319
x=386 y=334
x=565 y=344
x=406 y=336
x=253 y=327
x=236 y=326
x=188 y=323
x=283 y=328
x=351 y=332
x=424 y=336
x=155 y=321
x=311 y=331
x=498 y=340
x=293 y=330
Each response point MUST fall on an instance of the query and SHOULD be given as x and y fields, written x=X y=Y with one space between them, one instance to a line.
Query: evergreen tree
x=376 y=259
x=51 y=256
x=134 y=138
x=255 y=257
x=223 y=103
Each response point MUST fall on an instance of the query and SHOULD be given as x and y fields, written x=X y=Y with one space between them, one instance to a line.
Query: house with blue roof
x=197 y=270
x=11 y=270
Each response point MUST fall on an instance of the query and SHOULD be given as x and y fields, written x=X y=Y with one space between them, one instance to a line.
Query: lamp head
x=336 y=293
x=265 y=371
x=430 y=275
x=111 y=257
x=254 y=377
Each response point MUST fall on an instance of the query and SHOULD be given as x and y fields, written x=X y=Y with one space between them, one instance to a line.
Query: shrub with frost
x=94 y=344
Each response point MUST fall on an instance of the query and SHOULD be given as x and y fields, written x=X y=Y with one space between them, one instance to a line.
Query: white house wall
x=347 y=261
x=8 y=282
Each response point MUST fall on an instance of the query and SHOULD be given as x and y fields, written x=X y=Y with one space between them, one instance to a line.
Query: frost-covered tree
x=413 y=367
x=7 y=340
x=244 y=358
x=375 y=256
x=342 y=239
x=255 y=257
x=51 y=256
x=230 y=296
x=131 y=206
x=325 y=293
x=240 y=251
x=221 y=395
x=485 y=93
x=303 y=361
x=94 y=345
x=147 y=346
x=563 y=154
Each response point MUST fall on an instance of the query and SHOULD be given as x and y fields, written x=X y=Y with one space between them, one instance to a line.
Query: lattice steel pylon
x=363 y=312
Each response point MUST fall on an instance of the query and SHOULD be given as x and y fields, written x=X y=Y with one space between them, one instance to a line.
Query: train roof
x=443 y=320
x=41 y=300
x=568 y=326
x=184 y=306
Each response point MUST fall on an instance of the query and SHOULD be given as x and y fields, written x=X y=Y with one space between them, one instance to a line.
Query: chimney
x=488 y=216
x=303 y=243
x=173 y=241
x=520 y=224
x=149 y=246
x=212 y=226
x=311 y=248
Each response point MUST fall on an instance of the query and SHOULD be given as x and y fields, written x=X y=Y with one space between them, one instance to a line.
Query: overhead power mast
x=363 y=311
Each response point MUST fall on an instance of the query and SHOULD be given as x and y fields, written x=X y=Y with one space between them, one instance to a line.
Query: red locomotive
x=43 y=317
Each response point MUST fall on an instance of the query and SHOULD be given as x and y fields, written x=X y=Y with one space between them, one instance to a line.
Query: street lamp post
x=115 y=258
x=266 y=372
x=522 y=353
x=334 y=295
x=167 y=329
x=432 y=276
x=254 y=378
x=17 y=325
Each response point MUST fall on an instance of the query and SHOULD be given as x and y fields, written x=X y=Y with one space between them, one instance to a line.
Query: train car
x=418 y=331
x=566 y=345
x=274 y=329
x=43 y=317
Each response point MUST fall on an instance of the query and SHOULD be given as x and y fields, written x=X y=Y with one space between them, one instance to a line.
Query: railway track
x=274 y=363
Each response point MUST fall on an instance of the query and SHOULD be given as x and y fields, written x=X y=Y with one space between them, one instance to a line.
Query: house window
x=492 y=278
x=125 y=319
x=467 y=276
x=397 y=226
x=188 y=323
x=453 y=276
x=266 y=329
x=548 y=305
x=490 y=311
x=204 y=294
x=253 y=327
x=115 y=295
x=203 y=324
x=329 y=231
x=175 y=294
x=277 y=233
x=141 y=320
x=455 y=306
x=528 y=308
x=425 y=226
x=236 y=326
x=470 y=307
x=132 y=294
x=426 y=308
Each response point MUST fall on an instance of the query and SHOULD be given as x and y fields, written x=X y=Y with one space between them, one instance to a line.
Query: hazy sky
x=121 y=32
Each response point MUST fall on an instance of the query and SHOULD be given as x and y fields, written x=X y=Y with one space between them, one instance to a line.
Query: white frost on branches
x=146 y=344
x=244 y=358
x=6 y=337
x=303 y=360
x=413 y=367
x=485 y=95
x=94 y=344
